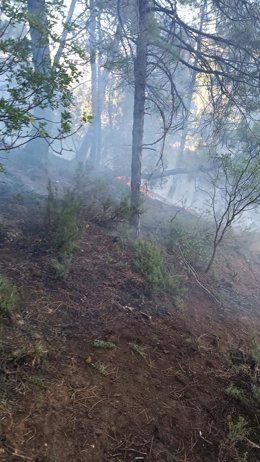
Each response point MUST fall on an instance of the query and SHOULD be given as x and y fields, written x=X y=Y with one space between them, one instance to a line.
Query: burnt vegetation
x=129 y=234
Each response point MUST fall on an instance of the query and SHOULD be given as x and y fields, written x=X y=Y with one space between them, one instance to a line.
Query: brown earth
x=160 y=393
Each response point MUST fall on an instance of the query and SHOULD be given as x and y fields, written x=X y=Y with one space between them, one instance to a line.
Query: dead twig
x=252 y=444
x=194 y=274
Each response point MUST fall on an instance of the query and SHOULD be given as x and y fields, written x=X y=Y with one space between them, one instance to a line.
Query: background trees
x=166 y=85
x=35 y=81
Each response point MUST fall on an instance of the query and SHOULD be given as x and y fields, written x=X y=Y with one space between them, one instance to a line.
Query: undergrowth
x=150 y=262
x=237 y=433
x=33 y=354
x=103 y=344
x=105 y=201
x=187 y=236
x=8 y=296
x=244 y=390
x=64 y=221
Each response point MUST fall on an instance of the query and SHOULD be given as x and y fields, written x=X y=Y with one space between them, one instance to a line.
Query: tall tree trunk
x=140 y=71
x=92 y=141
x=41 y=56
x=38 y=22
x=64 y=33
x=94 y=155
x=99 y=96
x=39 y=35
x=191 y=89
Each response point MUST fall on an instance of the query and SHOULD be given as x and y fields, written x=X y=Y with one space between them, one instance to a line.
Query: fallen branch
x=252 y=444
x=175 y=171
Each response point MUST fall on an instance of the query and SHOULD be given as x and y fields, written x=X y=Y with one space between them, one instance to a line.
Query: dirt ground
x=160 y=393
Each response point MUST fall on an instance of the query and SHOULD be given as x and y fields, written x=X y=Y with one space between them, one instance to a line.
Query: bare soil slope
x=158 y=395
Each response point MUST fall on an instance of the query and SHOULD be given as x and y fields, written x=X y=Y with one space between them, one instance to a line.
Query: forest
x=129 y=230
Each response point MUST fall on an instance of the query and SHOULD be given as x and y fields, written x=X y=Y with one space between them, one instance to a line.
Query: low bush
x=8 y=296
x=64 y=220
x=104 y=200
x=150 y=262
x=190 y=238
x=255 y=349
x=62 y=265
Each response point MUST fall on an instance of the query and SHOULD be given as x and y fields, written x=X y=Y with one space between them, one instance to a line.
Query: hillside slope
x=158 y=394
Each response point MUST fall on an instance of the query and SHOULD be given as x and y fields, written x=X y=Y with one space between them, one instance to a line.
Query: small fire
x=144 y=188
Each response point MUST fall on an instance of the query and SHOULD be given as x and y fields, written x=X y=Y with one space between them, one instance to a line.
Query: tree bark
x=64 y=33
x=39 y=35
x=41 y=57
x=140 y=71
x=94 y=155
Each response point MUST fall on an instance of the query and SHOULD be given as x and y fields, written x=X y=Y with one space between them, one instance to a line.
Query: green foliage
x=103 y=201
x=64 y=222
x=125 y=210
x=62 y=265
x=235 y=392
x=187 y=236
x=255 y=350
x=39 y=382
x=256 y=392
x=65 y=122
x=150 y=262
x=8 y=296
x=245 y=386
x=63 y=219
x=33 y=354
x=86 y=118
x=103 y=344
x=137 y=349
x=31 y=87
x=237 y=431
x=101 y=368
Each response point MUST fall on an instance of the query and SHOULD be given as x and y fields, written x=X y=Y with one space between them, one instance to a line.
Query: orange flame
x=143 y=188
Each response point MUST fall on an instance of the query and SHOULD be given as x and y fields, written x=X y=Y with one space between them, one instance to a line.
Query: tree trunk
x=39 y=40
x=94 y=155
x=140 y=68
x=86 y=144
x=212 y=258
x=41 y=56
x=64 y=33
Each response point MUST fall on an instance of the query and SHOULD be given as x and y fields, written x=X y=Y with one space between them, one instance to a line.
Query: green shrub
x=124 y=210
x=63 y=218
x=103 y=344
x=62 y=266
x=138 y=349
x=189 y=238
x=103 y=199
x=237 y=431
x=64 y=221
x=150 y=262
x=33 y=354
x=235 y=392
x=255 y=349
x=8 y=296
x=256 y=392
